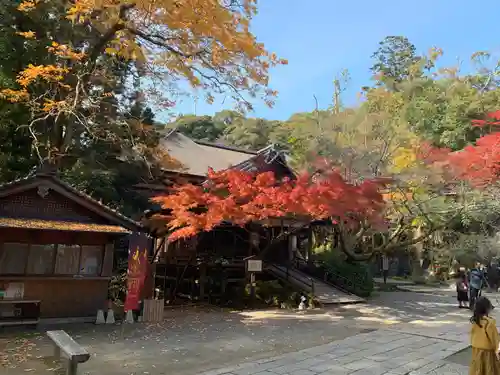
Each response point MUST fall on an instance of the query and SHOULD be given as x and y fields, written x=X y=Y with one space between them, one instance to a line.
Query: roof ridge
x=43 y=224
x=71 y=188
x=91 y=199
x=225 y=147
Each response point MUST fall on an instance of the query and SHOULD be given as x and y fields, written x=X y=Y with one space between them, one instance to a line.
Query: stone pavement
x=391 y=331
x=391 y=281
x=425 y=288
x=385 y=351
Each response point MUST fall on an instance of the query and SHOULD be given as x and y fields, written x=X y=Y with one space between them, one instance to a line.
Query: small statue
x=302 y=304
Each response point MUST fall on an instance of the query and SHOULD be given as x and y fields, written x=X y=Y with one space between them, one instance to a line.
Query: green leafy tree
x=250 y=133
x=202 y=128
x=16 y=156
x=106 y=164
x=394 y=60
x=230 y=128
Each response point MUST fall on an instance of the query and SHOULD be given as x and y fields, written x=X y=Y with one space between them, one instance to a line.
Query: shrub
x=354 y=277
x=117 y=289
x=274 y=293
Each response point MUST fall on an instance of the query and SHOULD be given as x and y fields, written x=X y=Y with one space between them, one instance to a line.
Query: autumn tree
x=359 y=218
x=16 y=159
x=435 y=107
x=476 y=171
x=439 y=104
x=387 y=136
x=470 y=248
x=92 y=164
x=74 y=75
x=472 y=190
x=480 y=163
x=415 y=210
x=242 y=198
x=207 y=43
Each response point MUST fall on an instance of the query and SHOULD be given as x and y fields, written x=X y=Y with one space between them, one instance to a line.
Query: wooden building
x=210 y=264
x=56 y=247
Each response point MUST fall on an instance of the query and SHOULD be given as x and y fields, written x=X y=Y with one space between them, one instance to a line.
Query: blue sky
x=320 y=38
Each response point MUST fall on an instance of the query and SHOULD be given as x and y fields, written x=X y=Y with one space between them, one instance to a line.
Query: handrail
x=326 y=281
x=288 y=275
x=329 y=269
x=336 y=280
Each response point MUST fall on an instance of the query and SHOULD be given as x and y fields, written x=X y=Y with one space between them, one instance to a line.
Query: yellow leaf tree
x=206 y=43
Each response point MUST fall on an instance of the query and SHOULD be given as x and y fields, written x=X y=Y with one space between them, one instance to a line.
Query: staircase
x=322 y=291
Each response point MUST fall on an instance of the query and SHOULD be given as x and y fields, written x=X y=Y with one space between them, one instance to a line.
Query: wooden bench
x=74 y=352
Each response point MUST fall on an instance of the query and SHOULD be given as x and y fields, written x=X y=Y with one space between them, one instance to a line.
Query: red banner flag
x=137 y=269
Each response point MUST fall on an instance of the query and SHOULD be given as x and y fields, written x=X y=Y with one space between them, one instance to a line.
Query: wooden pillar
x=107 y=267
x=254 y=243
x=148 y=290
x=292 y=247
x=309 y=246
x=149 y=282
x=223 y=286
x=175 y=287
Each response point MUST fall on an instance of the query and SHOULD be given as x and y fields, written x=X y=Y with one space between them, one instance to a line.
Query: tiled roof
x=60 y=225
x=197 y=157
x=131 y=224
x=266 y=156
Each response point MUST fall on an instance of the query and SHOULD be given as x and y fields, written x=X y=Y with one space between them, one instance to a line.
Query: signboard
x=137 y=269
x=254 y=265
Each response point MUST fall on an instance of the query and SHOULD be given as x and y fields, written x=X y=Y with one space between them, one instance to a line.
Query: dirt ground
x=192 y=341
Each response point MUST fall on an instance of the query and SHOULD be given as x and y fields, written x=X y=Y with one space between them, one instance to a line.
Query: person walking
x=484 y=339
x=493 y=276
x=462 y=290
x=476 y=280
x=385 y=267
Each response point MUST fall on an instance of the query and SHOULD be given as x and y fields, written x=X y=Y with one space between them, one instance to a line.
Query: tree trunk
x=417 y=272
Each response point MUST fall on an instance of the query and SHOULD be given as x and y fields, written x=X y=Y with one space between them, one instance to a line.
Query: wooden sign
x=254 y=265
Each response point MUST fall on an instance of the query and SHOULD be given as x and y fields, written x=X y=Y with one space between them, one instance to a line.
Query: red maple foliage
x=240 y=197
x=429 y=154
x=492 y=118
x=480 y=164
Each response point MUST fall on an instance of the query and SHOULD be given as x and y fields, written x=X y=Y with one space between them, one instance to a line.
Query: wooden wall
x=66 y=295
x=54 y=206
x=49 y=237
